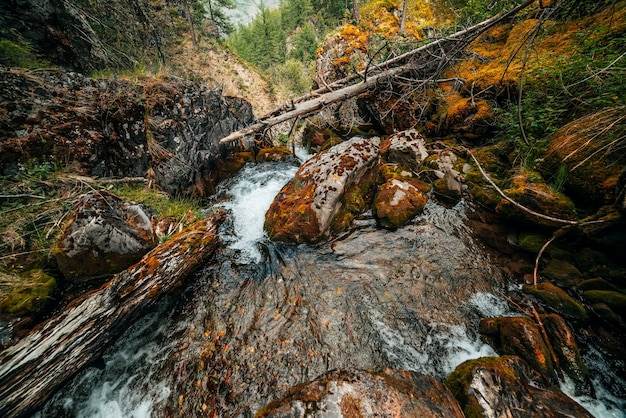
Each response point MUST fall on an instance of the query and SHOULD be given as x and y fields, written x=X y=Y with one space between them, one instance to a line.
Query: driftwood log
x=426 y=62
x=37 y=365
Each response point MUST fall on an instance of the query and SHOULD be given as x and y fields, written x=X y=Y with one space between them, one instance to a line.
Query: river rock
x=520 y=336
x=407 y=148
x=614 y=300
x=357 y=393
x=566 y=350
x=398 y=201
x=325 y=192
x=507 y=387
x=531 y=191
x=105 y=235
x=557 y=300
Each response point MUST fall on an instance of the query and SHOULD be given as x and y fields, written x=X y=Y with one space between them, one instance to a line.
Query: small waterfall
x=249 y=197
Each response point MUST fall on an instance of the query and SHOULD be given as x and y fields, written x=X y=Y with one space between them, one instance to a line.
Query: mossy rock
x=557 y=300
x=587 y=259
x=597 y=283
x=29 y=291
x=486 y=195
x=398 y=201
x=531 y=242
x=507 y=386
x=519 y=336
x=459 y=383
x=274 y=154
x=356 y=198
x=607 y=314
x=614 y=300
x=530 y=190
x=395 y=171
x=562 y=273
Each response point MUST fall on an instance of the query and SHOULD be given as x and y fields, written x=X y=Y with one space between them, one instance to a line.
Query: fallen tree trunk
x=427 y=61
x=37 y=365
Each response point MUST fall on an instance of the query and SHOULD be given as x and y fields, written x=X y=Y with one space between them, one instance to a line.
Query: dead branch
x=340 y=90
x=543 y=248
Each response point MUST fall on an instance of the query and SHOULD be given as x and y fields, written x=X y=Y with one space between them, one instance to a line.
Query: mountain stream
x=266 y=316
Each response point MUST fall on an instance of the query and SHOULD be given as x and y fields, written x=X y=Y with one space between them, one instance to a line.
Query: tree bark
x=37 y=365
x=429 y=60
x=403 y=18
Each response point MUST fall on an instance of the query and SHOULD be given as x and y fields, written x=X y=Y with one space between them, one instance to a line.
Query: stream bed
x=266 y=316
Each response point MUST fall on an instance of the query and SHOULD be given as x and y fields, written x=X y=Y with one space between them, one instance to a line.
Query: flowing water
x=266 y=316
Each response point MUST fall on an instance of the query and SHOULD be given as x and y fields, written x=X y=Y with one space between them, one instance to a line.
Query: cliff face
x=57 y=30
x=166 y=129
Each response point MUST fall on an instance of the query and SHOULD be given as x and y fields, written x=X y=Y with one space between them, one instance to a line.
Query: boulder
x=507 y=387
x=357 y=393
x=407 y=148
x=105 y=235
x=562 y=272
x=614 y=300
x=520 y=336
x=531 y=191
x=566 y=350
x=450 y=181
x=325 y=192
x=398 y=201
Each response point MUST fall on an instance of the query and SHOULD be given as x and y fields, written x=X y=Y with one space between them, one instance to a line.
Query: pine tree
x=214 y=10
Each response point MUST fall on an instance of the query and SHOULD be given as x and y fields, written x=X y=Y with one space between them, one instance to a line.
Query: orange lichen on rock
x=283 y=221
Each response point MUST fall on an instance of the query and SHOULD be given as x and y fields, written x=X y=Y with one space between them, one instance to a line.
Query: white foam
x=605 y=406
x=251 y=195
x=489 y=305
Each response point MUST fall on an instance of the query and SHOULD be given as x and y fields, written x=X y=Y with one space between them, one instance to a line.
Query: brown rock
x=507 y=387
x=520 y=336
x=398 y=201
x=357 y=393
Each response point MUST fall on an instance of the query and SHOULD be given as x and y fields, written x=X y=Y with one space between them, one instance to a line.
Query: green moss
x=597 y=283
x=531 y=242
x=558 y=300
x=562 y=273
x=29 y=291
x=460 y=379
x=614 y=300
x=179 y=208
x=587 y=259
